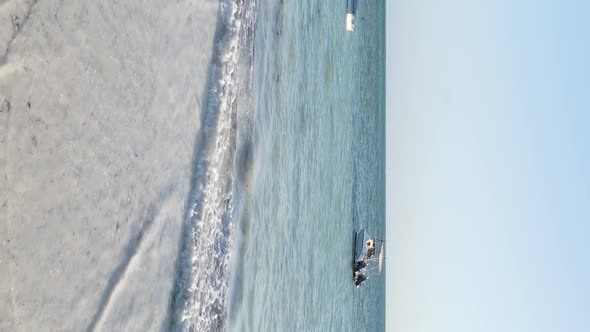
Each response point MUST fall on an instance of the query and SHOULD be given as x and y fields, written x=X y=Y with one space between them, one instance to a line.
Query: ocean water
x=290 y=163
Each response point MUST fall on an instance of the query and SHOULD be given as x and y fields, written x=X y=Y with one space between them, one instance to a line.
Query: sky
x=488 y=165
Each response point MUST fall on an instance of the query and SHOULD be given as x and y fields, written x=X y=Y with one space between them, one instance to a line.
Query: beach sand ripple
x=99 y=110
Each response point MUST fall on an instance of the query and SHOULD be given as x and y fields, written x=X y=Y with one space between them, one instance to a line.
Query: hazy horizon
x=487 y=166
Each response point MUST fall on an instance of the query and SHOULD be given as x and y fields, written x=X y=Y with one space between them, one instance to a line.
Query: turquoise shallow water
x=315 y=170
x=289 y=164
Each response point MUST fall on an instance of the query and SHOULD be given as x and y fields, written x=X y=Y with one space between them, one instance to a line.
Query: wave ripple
x=200 y=296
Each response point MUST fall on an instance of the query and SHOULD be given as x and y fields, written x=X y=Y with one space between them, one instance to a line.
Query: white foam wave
x=202 y=287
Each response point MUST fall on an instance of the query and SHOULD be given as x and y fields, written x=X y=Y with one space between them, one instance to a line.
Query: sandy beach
x=100 y=105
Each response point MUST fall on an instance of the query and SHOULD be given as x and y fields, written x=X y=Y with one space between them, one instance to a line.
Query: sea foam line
x=199 y=302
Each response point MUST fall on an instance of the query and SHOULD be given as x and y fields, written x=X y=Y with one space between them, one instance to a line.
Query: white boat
x=369 y=252
x=350 y=11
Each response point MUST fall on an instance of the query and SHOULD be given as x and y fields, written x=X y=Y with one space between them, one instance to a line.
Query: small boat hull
x=349 y=22
x=359 y=245
x=350 y=12
x=367 y=256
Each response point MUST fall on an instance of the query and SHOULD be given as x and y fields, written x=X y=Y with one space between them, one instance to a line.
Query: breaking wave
x=199 y=299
